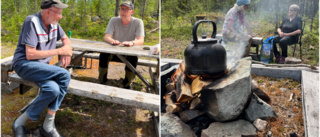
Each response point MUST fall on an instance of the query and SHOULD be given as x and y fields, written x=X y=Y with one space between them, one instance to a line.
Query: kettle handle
x=195 y=27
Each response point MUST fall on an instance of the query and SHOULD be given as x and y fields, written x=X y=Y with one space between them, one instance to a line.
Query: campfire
x=208 y=96
x=204 y=101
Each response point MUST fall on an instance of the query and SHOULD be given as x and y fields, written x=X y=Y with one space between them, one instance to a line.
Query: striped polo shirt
x=33 y=34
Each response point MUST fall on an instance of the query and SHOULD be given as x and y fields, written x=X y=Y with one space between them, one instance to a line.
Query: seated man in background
x=36 y=46
x=126 y=30
x=288 y=32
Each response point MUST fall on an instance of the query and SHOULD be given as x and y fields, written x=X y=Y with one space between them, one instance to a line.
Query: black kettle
x=205 y=56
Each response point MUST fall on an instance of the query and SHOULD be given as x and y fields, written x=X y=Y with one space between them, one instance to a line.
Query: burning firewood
x=194 y=103
x=168 y=99
x=173 y=108
x=170 y=87
x=198 y=84
x=185 y=93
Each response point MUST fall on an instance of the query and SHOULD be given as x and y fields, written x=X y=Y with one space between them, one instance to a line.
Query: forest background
x=264 y=16
x=86 y=19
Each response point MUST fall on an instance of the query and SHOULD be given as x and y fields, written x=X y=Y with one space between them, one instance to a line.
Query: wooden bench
x=105 y=93
x=141 y=62
x=87 y=89
x=310 y=102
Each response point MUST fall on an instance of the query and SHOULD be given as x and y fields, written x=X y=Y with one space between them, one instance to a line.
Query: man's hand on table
x=127 y=43
x=116 y=42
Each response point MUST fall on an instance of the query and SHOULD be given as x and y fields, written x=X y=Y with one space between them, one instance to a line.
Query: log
x=168 y=99
x=197 y=86
x=153 y=30
x=173 y=108
x=194 y=103
x=106 y=93
x=185 y=93
x=169 y=87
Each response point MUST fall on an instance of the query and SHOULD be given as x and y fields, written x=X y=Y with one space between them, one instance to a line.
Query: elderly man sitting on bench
x=36 y=46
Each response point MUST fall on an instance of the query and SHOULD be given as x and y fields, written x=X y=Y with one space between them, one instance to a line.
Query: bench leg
x=124 y=60
x=5 y=85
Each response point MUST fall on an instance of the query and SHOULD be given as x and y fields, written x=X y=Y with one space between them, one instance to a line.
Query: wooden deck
x=310 y=103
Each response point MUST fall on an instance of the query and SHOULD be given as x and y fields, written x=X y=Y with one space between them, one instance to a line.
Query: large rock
x=231 y=129
x=172 y=126
x=188 y=115
x=225 y=98
x=94 y=19
x=258 y=109
x=260 y=124
x=261 y=94
x=292 y=60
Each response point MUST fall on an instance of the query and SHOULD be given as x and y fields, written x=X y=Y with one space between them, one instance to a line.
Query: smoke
x=237 y=48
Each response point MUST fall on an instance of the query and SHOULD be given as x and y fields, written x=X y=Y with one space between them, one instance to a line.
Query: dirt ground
x=289 y=111
x=80 y=116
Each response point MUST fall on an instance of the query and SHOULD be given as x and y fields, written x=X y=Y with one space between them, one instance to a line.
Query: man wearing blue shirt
x=36 y=46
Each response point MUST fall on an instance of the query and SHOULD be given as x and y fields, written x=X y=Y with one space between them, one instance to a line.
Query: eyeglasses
x=56 y=12
x=125 y=10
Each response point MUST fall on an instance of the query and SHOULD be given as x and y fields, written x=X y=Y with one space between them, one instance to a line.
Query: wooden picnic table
x=93 y=90
x=118 y=50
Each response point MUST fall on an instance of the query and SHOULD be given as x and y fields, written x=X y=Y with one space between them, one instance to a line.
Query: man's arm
x=138 y=41
x=108 y=38
x=32 y=53
x=66 y=59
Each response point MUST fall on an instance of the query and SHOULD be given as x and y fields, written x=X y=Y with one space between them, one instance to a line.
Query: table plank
x=97 y=46
x=310 y=99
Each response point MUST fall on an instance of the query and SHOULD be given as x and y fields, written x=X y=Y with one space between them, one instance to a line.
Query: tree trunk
x=158 y=11
x=18 y=6
x=143 y=8
x=117 y=8
x=35 y=6
x=311 y=24
x=302 y=7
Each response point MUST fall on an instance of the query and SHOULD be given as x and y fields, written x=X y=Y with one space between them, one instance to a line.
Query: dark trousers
x=105 y=58
x=283 y=42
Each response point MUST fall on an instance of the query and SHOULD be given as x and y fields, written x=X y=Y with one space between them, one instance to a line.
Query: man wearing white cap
x=36 y=46
x=126 y=30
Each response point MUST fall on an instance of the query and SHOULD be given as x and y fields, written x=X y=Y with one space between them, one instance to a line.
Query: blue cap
x=243 y=2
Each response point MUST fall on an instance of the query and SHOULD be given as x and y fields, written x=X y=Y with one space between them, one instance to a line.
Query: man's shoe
x=53 y=133
x=19 y=131
x=128 y=87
